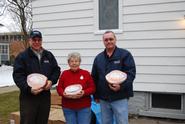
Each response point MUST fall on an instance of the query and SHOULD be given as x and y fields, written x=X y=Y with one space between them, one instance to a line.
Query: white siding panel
x=62 y=8
x=171 y=70
x=159 y=78
x=154 y=8
x=63 y=23
x=83 y=52
x=152 y=87
x=152 y=43
x=153 y=17
x=68 y=37
x=141 y=2
x=164 y=61
x=153 y=26
x=67 y=15
x=66 y=66
x=153 y=52
x=78 y=45
x=155 y=34
x=68 y=30
x=85 y=59
x=43 y=3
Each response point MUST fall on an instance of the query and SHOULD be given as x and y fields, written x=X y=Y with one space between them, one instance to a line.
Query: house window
x=4 y=52
x=166 y=101
x=108 y=14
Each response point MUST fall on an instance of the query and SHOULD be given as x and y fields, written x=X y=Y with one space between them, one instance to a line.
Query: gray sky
x=6 y=20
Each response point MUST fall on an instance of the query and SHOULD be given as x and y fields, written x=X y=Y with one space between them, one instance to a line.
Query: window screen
x=168 y=101
x=108 y=14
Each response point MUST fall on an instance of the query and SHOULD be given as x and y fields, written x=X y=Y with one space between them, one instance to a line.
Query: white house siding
x=67 y=26
x=153 y=30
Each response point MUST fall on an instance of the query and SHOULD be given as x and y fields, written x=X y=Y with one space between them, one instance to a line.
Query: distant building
x=5 y=40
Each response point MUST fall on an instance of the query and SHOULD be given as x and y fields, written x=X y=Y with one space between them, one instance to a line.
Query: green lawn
x=9 y=102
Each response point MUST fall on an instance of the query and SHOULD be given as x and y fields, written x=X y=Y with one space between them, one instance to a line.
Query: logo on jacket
x=81 y=77
x=46 y=61
x=117 y=62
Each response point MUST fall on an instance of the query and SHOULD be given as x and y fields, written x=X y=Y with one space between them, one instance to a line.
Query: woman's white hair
x=74 y=55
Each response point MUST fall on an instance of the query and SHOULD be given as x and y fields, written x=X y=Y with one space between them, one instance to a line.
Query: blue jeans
x=117 y=109
x=80 y=116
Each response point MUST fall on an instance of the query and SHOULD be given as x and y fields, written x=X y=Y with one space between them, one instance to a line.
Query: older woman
x=76 y=106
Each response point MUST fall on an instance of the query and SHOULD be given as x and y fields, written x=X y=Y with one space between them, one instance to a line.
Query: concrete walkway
x=132 y=120
x=150 y=120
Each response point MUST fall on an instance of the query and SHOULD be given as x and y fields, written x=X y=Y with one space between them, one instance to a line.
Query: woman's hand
x=75 y=96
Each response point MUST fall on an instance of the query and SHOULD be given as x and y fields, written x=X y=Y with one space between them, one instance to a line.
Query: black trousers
x=34 y=109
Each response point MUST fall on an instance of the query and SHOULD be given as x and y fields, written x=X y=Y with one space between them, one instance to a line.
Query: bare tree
x=21 y=12
x=2 y=7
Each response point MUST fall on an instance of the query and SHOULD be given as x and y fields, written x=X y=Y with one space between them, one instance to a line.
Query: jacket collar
x=31 y=52
x=113 y=54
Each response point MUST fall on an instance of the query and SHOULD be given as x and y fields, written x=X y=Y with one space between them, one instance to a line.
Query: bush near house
x=15 y=48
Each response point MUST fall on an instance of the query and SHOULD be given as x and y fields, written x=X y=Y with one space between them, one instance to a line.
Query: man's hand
x=114 y=87
x=48 y=85
x=36 y=91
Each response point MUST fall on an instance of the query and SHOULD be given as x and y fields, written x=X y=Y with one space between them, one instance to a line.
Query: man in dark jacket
x=35 y=103
x=113 y=98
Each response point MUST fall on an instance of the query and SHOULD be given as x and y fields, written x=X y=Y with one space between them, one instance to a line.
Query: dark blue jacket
x=27 y=62
x=120 y=60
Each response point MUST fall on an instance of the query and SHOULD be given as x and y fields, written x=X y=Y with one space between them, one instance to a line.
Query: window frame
x=96 y=18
